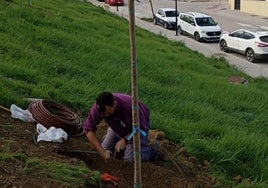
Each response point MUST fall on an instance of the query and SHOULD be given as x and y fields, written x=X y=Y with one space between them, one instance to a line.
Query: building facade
x=256 y=7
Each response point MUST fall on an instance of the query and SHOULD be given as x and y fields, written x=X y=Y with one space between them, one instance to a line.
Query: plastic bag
x=51 y=135
x=40 y=128
x=18 y=113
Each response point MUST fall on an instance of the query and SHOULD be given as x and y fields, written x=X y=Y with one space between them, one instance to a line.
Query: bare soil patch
x=162 y=172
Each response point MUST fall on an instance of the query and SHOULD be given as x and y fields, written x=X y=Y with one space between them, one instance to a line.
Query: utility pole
x=152 y=9
x=176 y=9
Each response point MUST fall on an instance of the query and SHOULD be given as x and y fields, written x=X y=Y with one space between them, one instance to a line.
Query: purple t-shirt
x=121 y=121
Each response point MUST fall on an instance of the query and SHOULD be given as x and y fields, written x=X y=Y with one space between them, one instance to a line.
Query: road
x=229 y=20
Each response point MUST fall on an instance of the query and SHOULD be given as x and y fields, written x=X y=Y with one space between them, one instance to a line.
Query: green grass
x=72 y=176
x=69 y=51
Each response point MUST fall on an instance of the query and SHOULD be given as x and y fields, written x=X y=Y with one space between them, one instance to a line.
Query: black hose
x=160 y=151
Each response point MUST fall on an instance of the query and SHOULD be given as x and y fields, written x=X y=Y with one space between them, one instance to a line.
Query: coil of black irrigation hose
x=50 y=113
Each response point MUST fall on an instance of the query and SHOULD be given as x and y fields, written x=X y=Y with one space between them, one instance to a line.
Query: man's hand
x=105 y=154
x=120 y=145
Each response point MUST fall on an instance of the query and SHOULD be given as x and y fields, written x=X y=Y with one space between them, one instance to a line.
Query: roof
x=258 y=31
x=197 y=14
x=167 y=9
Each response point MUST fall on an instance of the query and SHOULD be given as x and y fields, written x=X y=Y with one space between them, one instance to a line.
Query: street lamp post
x=176 y=9
x=117 y=5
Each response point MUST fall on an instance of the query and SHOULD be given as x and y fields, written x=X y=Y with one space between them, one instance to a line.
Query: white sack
x=18 y=113
x=51 y=135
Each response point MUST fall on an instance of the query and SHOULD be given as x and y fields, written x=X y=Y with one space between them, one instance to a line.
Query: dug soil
x=163 y=172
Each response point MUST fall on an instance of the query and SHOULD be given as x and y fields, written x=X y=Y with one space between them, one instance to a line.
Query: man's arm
x=105 y=154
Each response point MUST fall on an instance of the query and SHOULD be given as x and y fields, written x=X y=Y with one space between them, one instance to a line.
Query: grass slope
x=69 y=51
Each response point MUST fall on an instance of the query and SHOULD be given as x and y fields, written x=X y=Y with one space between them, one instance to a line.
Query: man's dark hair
x=104 y=99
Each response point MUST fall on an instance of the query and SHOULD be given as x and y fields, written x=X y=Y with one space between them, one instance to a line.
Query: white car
x=251 y=42
x=200 y=26
x=166 y=17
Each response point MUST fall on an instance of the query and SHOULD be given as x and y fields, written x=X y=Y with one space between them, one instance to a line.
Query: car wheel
x=197 y=37
x=223 y=45
x=155 y=21
x=166 y=25
x=250 y=55
x=180 y=30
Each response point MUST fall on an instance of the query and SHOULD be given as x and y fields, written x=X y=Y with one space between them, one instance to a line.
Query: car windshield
x=205 y=21
x=171 y=13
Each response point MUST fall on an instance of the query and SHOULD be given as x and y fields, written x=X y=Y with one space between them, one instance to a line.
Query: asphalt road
x=229 y=20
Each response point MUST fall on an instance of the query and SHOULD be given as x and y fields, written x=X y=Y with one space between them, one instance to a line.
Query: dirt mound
x=15 y=137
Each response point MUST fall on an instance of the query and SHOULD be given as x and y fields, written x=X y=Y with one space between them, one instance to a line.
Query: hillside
x=69 y=51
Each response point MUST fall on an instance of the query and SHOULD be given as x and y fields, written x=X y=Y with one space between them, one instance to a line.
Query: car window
x=238 y=34
x=183 y=17
x=186 y=18
x=247 y=35
x=171 y=14
x=160 y=12
x=205 y=21
x=191 y=20
x=211 y=21
x=264 y=38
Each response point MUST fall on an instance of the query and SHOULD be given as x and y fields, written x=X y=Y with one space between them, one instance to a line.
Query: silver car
x=166 y=17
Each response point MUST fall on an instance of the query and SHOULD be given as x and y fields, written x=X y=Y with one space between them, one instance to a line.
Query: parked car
x=114 y=2
x=251 y=42
x=200 y=26
x=166 y=17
